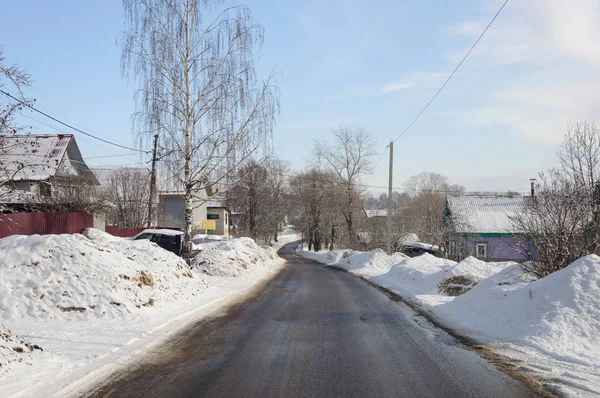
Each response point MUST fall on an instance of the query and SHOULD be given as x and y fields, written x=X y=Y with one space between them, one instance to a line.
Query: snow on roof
x=485 y=214
x=376 y=213
x=38 y=157
x=32 y=157
x=424 y=246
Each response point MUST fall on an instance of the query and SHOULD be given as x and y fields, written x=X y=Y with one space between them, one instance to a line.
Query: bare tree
x=258 y=194
x=250 y=197
x=77 y=194
x=424 y=214
x=15 y=79
x=198 y=89
x=556 y=224
x=129 y=193
x=317 y=216
x=348 y=158
x=579 y=157
x=562 y=221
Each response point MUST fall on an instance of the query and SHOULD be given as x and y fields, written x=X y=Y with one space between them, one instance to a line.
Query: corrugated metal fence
x=123 y=233
x=44 y=223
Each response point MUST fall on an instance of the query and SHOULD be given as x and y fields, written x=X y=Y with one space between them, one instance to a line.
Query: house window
x=212 y=216
x=226 y=219
x=452 y=247
x=45 y=189
x=481 y=250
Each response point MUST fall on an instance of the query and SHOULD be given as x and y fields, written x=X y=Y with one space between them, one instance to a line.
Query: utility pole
x=389 y=215
x=152 y=181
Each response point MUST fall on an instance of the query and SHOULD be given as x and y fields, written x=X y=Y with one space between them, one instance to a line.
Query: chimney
x=532 y=186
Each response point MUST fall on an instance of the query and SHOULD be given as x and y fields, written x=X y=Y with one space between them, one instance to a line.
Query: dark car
x=170 y=240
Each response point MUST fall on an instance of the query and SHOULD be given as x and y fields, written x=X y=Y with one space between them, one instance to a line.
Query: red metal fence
x=123 y=233
x=44 y=223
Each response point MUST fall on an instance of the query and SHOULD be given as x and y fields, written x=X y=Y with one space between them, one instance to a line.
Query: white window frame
x=485 y=249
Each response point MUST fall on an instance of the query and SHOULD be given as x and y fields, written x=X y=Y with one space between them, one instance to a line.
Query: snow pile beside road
x=375 y=262
x=558 y=315
x=415 y=276
x=551 y=325
x=233 y=258
x=326 y=257
x=463 y=276
x=14 y=349
x=94 y=275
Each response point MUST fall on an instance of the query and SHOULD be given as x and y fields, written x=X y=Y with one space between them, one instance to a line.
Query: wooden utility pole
x=389 y=215
x=152 y=182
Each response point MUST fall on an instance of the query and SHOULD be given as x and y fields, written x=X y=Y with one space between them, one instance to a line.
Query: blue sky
x=368 y=63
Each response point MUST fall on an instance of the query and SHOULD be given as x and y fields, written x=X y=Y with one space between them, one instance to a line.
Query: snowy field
x=550 y=326
x=74 y=308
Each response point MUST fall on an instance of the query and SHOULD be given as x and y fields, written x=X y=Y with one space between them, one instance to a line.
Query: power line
x=453 y=72
x=128 y=156
x=68 y=125
x=381 y=157
x=110 y=156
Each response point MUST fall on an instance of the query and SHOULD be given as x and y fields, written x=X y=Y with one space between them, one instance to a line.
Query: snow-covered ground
x=93 y=302
x=550 y=326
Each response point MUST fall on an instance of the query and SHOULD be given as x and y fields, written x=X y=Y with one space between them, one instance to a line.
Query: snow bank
x=233 y=258
x=558 y=315
x=90 y=275
x=14 y=349
x=375 y=262
x=466 y=274
x=326 y=257
x=550 y=325
x=94 y=302
x=415 y=276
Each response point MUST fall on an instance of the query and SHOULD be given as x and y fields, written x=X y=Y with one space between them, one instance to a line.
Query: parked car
x=417 y=248
x=168 y=239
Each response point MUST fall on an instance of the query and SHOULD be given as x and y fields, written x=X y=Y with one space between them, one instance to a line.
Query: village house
x=481 y=226
x=221 y=215
x=33 y=168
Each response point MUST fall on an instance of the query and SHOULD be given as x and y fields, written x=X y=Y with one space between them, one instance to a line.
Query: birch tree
x=197 y=88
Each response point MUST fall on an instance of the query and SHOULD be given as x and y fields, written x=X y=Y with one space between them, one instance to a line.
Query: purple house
x=481 y=226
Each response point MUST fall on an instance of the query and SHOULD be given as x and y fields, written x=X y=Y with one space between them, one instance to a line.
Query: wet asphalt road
x=313 y=332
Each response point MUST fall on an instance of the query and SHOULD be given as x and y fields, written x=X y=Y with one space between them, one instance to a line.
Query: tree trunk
x=332 y=238
x=189 y=203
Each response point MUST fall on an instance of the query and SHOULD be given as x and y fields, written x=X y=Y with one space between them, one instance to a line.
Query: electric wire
x=68 y=125
x=453 y=72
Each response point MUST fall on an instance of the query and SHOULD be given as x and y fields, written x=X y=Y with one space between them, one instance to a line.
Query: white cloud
x=396 y=86
x=417 y=80
x=549 y=52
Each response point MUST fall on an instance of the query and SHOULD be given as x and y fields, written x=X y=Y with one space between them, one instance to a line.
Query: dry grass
x=145 y=279
x=456 y=285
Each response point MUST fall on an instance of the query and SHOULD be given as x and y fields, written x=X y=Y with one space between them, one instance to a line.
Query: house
x=172 y=210
x=481 y=226
x=171 y=204
x=222 y=217
x=35 y=167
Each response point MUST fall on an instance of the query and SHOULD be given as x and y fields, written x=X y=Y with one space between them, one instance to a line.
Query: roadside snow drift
x=559 y=314
x=551 y=325
x=233 y=258
x=90 y=275
x=13 y=349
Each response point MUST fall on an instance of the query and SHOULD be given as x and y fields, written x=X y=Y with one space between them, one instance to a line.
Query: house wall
x=222 y=222
x=173 y=212
x=500 y=247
